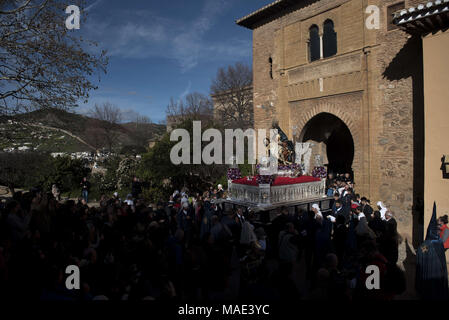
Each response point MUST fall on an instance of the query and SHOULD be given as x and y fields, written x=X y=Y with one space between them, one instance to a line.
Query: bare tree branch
x=196 y=106
x=42 y=63
x=110 y=116
x=232 y=93
x=21 y=8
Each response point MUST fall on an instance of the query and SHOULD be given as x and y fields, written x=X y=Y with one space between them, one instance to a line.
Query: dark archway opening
x=331 y=130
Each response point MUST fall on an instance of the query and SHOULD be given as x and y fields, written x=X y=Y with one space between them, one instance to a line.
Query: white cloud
x=186 y=91
x=142 y=34
x=93 y=5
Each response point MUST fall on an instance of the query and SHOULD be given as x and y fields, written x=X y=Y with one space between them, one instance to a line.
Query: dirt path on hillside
x=63 y=131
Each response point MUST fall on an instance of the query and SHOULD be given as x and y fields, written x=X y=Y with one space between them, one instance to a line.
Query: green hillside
x=24 y=137
x=56 y=130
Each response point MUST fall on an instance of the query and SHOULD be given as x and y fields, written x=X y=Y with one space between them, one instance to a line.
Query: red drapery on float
x=279 y=181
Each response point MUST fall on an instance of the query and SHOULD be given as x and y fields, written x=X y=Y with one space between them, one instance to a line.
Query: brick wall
x=369 y=85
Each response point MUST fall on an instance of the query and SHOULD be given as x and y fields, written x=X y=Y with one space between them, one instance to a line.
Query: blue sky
x=163 y=49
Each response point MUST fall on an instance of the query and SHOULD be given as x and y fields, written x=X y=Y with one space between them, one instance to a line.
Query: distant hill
x=57 y=130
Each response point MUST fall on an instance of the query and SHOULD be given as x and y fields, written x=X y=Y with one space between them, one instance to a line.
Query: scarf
x=383 y=209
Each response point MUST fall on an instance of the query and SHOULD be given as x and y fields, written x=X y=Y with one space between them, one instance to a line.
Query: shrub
x=133 y=150
x=126 y=171
x=66 y=173
x=35 y=169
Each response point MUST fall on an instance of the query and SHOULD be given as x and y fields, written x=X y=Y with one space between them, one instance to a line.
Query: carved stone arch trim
x=345 y=117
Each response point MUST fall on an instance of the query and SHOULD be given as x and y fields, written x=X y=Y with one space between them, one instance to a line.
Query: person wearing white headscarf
x=383 y=209
x=184 y=199
x=220 y=191
x=317 y=210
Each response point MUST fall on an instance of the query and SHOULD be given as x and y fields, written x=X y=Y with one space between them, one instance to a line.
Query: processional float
x=285 y=185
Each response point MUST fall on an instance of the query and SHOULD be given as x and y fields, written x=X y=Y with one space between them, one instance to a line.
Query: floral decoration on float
x=234 y=174
x=319 y=172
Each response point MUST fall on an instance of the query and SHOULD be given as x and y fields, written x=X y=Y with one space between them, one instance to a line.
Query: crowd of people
x=194 y=247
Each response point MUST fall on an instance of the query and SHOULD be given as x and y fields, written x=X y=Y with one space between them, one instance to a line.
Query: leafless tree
x=110 y=117
x=195 y=106
x=142 y=129
x=134 y=117
x=42 y=63
x=142 y=120
x=232 y=93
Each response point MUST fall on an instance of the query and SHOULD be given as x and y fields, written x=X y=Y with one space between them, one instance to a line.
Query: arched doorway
x=331 y=130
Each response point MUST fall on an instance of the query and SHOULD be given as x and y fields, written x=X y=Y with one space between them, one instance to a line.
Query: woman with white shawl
x=383 y=209
x=316 y=209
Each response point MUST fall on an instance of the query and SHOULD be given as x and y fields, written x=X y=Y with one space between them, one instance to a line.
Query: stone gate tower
x=326 y=77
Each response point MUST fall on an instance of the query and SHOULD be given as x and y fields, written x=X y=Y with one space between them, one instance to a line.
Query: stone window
x=329 y=39
x=390 y=10
x=314 y=43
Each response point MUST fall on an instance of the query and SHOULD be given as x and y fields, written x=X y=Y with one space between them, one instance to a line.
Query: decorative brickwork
x=372 y=84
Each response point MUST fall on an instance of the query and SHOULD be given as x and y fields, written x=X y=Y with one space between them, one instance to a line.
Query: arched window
x=270 y=61
x=329 y=39
x=314 y=43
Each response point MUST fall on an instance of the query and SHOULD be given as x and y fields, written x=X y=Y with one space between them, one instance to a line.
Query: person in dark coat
x=390 y=239
x=136 y=188
x=278 y=224
x=206 y=222
x=220 y=191
x=323 y=243
x=185 y=220
x=351 y=239
x=340 y=236
x=377 y=224
x=392 y=225
x=330 y=180
x=431 y=269
x=309 y=230
x=346 y=202
x=337 y=209
x=367 y=209
x=289 y=242
x=229 y=220
x=240 y=217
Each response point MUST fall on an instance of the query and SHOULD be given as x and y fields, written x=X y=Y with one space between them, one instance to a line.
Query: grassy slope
x=79 y=125
x=40 y=139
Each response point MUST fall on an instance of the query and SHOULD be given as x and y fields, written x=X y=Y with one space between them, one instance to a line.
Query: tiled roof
x=425 y=18
x=253 y=18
